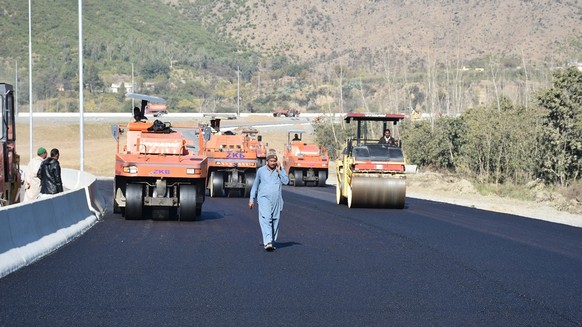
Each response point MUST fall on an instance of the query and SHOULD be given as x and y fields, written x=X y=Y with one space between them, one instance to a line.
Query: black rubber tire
x=298 y=178
x=249 y=180
x=216 y=184
x=321 y=178
x=134 y=202
x=187 y=208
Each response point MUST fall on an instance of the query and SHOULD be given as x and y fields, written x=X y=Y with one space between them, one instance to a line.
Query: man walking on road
x=267 y=192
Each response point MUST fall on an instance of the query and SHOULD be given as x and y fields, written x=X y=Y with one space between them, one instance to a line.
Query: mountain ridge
x=415 y=29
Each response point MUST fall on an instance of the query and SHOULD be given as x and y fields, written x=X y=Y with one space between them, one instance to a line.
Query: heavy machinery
x=370 y=174
x=10 y=178
x=307 y=164
x=255 y=141
x=232 y=164
x=157 y=109
x=160 y=170
x=286 y=113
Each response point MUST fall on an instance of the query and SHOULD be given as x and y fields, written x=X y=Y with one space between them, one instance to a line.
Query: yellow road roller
x=371 y=171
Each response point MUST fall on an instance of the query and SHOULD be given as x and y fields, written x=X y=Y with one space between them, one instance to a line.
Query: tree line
x=502 y=142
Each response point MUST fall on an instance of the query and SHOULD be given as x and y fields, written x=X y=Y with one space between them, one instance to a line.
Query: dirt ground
x=100 y=148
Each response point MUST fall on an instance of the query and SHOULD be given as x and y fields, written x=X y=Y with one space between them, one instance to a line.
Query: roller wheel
x=187 y=209
x=377 y=192
x=249 y=180
x=298 y=178
x=134 y=202
x=351 y=203
x=321 y=177
x=198 y=210
x=339 y=198
x=216 y=185
x=116 y=208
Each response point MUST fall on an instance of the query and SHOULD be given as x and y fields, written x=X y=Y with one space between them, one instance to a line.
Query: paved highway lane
x=428 y=264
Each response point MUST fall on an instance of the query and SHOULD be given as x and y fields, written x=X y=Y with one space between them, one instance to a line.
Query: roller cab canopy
x=145 y=99
x=362 y=131
x=373 y=117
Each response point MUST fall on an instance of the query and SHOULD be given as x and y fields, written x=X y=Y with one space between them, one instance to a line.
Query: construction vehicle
x=286 y=113
x=10 y=178
x=160 y=170
x=232 y=163
x=255 y=141
x=307 y=164
x=370 y=174
x=157 y=109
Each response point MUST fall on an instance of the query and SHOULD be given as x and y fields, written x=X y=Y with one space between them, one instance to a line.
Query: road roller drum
x=377 y=191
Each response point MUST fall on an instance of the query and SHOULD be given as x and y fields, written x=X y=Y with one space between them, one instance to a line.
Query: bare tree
x=526 y=91
x=494 y=70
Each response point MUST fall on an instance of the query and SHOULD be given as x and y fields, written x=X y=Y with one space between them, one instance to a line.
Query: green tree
x=437 y=147
x=561 y=137
x=333 y=136
x=121 y=91
x=94 y=82
x=153 y=69
x=500 y=142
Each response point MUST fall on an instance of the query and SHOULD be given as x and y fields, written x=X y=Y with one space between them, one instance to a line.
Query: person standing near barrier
x=50 y=175
x=267 y=192
x=31 y=180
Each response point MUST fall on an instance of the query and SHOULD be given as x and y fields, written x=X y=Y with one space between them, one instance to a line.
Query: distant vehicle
x=160 y=170
x=232 y=163
x=307 y=164
x=286 y=113
x=256 y=143
x=10 y=178
x=220 y=116
x=156 y=109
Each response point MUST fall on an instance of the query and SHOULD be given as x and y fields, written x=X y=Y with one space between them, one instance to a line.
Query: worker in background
x=50 y=175
x=296 y=137
x=31 y=180
x=137 y=115
x=387 y=138
x=267 y=192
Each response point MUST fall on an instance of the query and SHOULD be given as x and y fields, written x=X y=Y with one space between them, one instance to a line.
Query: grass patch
x=513 y=191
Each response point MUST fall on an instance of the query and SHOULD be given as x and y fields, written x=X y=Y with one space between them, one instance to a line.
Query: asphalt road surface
x=428 y=264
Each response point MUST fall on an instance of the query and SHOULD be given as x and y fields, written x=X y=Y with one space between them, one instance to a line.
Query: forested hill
x=116 y=33
x=284 y=53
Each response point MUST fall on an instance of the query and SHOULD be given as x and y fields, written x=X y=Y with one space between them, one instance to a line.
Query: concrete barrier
x=29 y=231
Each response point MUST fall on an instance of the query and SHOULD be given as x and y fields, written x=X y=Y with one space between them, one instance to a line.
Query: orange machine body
x=307 y=164
x=255 y=143
x=232 y=165
x=160 y=170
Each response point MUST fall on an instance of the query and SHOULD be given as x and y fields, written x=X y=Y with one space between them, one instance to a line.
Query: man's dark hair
x=54 y=152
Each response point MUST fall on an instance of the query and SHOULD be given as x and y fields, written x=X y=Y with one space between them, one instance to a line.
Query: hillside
x=204 y=55
x=445 y=29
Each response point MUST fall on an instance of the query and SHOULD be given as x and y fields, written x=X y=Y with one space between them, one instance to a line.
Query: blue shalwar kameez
x=267 y=192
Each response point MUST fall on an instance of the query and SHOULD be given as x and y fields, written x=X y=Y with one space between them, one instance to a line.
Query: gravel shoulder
x=431 y=186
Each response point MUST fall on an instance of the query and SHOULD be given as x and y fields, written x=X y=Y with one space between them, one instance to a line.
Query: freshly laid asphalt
x=427 y=264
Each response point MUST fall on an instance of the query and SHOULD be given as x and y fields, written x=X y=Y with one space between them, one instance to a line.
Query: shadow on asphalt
x=286 y=244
